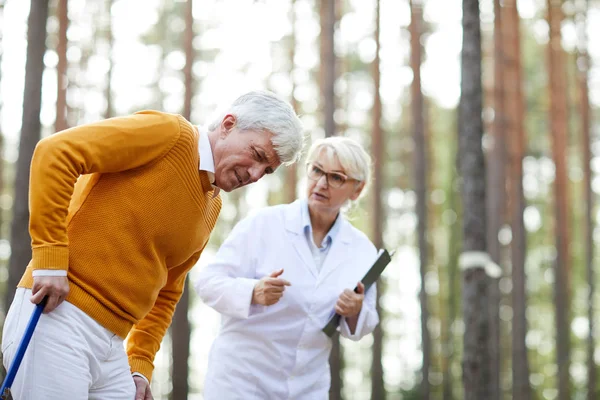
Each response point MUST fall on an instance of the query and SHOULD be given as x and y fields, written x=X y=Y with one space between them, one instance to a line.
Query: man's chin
x=225 y=186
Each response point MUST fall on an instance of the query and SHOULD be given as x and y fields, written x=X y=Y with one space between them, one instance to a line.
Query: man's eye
x=257 y=155
x=317 y=170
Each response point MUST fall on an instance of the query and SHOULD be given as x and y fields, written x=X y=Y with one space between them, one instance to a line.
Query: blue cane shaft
x=14 y=366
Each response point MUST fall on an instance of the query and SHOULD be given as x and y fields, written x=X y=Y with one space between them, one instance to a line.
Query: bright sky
x=247 y=35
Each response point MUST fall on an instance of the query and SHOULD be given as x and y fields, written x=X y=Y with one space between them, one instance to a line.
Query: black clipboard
x=383 y=259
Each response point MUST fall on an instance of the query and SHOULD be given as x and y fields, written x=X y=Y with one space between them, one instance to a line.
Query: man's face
x=242 y=157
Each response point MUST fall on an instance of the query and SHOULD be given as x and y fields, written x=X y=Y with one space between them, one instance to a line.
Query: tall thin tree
x=496 y=198
x=30 y=135
x=292 y=171
x=327 y=78
x=327 y=72
x=583 y=62
x=180 y=331
x=377 y=387
x=420 y=181
x=476 y=357
x=559 y=128
x=5 y=306
x=108 y=95
x=61 y=70
x=1 y=134
x=521 y=389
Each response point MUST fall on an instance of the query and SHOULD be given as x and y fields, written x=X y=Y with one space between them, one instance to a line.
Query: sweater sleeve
x=145 y=337
x=112 y=145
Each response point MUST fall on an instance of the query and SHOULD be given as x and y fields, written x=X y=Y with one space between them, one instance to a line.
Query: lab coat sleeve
x=227 y=283
x=367 y=318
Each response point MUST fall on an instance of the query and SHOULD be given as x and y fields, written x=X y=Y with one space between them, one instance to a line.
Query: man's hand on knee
x=142 y=389
x=55 y=287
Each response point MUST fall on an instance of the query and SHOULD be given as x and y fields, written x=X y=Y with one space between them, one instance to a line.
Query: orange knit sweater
x=123 y=207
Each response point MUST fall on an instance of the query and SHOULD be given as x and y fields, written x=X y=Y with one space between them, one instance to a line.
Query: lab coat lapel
x=339 y=253
x=295 y=231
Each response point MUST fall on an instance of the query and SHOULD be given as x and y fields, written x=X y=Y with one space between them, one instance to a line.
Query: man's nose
x=256 y=174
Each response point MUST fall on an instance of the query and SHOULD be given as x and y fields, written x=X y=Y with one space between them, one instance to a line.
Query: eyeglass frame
x=327 y=174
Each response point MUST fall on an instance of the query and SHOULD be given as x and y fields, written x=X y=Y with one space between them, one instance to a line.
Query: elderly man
x=120 y=212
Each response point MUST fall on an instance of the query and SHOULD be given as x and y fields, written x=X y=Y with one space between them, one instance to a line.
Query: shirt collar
x=308 y=226
x=207 y=162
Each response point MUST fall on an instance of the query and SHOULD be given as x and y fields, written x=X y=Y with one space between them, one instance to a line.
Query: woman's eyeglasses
x=334 y=179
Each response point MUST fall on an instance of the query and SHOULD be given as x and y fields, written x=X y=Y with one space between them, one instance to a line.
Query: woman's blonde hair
x=354 y=159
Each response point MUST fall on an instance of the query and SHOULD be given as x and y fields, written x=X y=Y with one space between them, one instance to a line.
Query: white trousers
x=70 y=355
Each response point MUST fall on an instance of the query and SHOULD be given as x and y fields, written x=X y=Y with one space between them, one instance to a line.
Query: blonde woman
x=279 y=276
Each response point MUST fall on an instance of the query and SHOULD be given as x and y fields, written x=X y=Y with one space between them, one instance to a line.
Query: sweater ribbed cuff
x=50 y=257
x=142 y=366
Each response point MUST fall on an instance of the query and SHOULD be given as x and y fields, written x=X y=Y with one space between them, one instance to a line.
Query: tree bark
x=1 y=134
x=584 y=104
x=109 y=112
x=181 y=330
x=476 y=357
x=61 y=69
x=420 y=183
x=559 y=129
x=30 y=135
x=496 y=199
x=326 y=85
x=521 y=389
x=328 y=65
x=292 y=171
x=377 y=387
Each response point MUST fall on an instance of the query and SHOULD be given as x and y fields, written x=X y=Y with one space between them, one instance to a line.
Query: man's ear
x=357 y=191
x=228 y=123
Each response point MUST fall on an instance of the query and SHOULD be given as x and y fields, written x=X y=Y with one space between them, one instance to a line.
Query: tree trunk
x=5 y=305
x=584 y=104
x=377 y=387
x=559 y=128
x=181 y=331
x=336 y=364
x=30 y=135
x=420 y=182
x=521 y=389
x=109 y=112
x=327 y=83
x=476 y=357
x=61 y=69
x=292 y=171
x=496 y=199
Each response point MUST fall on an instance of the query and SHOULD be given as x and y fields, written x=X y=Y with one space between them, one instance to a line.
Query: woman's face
x=324 y=174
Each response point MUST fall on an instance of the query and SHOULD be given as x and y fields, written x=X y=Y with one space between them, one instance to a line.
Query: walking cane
x=14 y=366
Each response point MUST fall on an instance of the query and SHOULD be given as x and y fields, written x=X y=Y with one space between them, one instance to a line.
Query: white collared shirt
x=207 y=162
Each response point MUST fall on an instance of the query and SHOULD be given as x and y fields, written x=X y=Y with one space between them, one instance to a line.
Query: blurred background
x=481 y=118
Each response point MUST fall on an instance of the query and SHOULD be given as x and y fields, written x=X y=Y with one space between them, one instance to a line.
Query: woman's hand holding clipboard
x=383 y=259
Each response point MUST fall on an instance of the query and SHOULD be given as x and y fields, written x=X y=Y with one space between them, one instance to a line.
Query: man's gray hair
x=265 y=111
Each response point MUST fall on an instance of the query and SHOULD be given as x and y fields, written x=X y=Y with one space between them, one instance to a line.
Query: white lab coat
x=279 y=351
